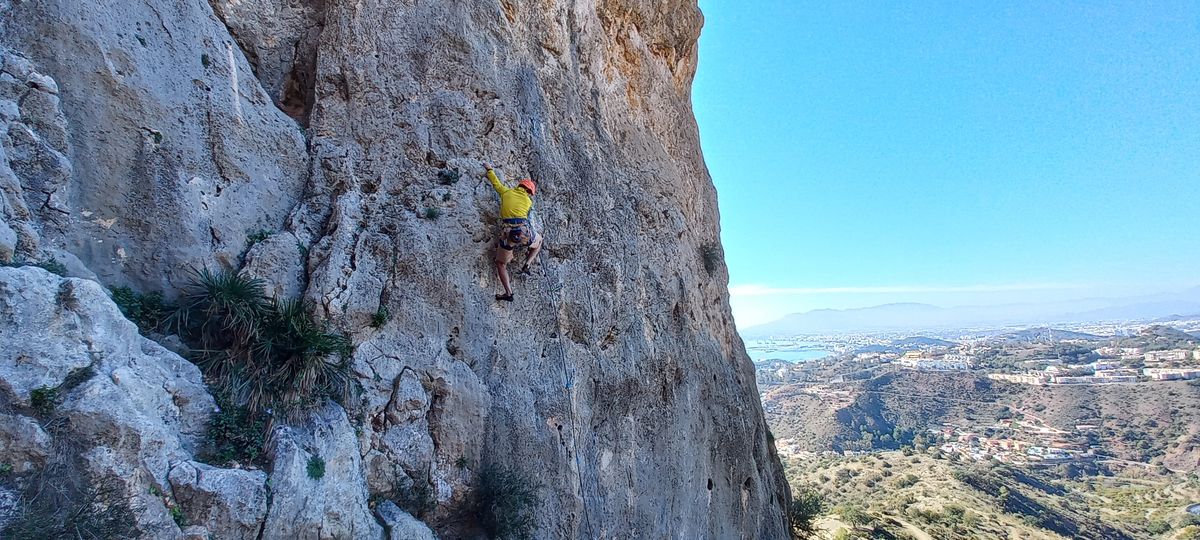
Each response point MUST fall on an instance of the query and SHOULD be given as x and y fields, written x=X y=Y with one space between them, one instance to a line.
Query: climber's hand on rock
x=487 y=166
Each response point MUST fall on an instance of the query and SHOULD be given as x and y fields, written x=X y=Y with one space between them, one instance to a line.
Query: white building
x=1169 y=374
x=1101 y=365
x=934 y=364
x=1177 y=355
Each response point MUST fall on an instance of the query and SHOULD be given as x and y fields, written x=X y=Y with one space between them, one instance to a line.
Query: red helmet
x=528 y=185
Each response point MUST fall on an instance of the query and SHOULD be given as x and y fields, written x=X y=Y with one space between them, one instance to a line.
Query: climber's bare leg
x=503 y=257
x=531 y=255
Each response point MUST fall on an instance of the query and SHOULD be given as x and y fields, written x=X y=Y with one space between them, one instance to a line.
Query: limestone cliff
x=146 y=137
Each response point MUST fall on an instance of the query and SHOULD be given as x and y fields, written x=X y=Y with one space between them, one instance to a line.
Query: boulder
x=24 y=445
x=400 y=525
x=229 y=503
x=334 y=503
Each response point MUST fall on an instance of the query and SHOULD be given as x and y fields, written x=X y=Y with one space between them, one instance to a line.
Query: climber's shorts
x=515 y=233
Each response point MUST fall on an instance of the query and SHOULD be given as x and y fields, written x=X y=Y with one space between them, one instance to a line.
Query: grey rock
x=176 y=150
x=10 y=502
x=401 y=525
x=24 y=445
x=134 y=407
x=618 y=369
x=29 y=299
x=333 y=506
x=8 y=243
x=277 y=261
x=230 y=503
x=280 y=40
x=616 y=373
x=197 y=532
x=16 y=65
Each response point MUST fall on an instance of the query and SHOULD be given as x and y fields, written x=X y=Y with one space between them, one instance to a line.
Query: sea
x=792 y=351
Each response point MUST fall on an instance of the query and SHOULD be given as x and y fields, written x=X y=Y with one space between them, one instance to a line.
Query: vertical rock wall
x=616 y=377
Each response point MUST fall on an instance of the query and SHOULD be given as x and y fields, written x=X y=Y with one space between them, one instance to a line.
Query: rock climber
x=515 y=229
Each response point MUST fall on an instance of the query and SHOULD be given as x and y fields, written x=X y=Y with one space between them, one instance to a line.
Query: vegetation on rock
x=505 y=501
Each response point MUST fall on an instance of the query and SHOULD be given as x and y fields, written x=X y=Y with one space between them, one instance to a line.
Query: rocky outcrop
x=175 y=152
x=617 y=370
x=332 y=504
x=400 y=525
x=615 y=380
x=228 y=503
x=126 y=407
x=34 y=171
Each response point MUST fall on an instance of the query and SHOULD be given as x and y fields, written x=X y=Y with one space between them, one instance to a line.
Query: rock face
x=178 y=154
x=331 y=505
x=229 y=503
x=615 y=379
x=127 y=407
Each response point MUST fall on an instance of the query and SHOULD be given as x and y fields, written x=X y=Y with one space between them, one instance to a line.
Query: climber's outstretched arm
x=491 y=176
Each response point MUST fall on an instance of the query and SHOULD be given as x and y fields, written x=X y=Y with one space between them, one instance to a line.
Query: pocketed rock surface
x=145 y=138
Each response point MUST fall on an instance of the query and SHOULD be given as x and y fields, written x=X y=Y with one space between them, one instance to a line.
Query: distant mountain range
x=907 y=317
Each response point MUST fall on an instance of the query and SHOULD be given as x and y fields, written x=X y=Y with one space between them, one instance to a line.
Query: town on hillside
x=1086 y=432
x=1136 y=355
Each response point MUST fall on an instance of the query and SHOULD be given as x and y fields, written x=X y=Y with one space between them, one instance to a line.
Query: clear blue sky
x=951 y=152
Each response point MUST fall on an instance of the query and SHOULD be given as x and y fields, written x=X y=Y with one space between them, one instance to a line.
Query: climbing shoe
x=504 y=297
x=524 y=271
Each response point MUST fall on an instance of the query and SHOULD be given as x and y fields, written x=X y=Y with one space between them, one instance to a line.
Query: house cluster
x=931 y=361
x=1099 y=372
x=1170 y=357
x=1124 y=353
x=1171 y=374
x=1021 y=443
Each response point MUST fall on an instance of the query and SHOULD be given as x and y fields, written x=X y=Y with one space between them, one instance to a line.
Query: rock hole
x=710 y=484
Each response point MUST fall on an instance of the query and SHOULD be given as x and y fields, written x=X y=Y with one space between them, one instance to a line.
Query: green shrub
x=234 y=434
x=432 y=213
x=855 y=517
x=316 y=467
x=1158 y=527
x=381 y=317
x=265 y=353
x=803 y=512
x=447 y=177
x=710 y=254
x=43 y=400
x=505 y=501
x=461 y=462
x=907 y=480
x=257 y=236
x=177 y=515
x=147 y=311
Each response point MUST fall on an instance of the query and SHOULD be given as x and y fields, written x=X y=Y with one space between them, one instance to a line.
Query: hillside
x=1156 y=423
x=921 y=496
x=288 y=199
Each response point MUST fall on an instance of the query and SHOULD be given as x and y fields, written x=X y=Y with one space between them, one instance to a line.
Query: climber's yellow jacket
x=514 y=203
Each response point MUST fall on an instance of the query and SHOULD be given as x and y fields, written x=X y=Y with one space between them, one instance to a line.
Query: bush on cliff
x=505 y=501
x=265 y=353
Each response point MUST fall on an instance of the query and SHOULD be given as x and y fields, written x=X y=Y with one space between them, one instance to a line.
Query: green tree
x=855 y=517
x=806 y=507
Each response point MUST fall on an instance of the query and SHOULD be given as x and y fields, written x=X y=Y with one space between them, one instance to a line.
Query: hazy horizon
x=753 y=306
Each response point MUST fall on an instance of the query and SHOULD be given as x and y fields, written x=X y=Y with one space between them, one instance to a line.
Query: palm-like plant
x=267 y=354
